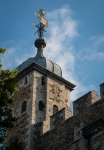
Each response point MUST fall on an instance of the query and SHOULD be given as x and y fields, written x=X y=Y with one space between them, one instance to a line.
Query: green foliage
x=2 y=50
x=8 y=85
x=15 y=144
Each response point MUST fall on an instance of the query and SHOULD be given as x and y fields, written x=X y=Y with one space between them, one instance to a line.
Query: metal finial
x=43 y=23
x=41 y=12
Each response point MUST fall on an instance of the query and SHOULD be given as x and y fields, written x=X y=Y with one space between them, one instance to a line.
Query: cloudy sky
x=75 y=38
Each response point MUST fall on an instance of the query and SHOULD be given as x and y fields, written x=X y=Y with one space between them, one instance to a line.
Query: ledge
x=46 y=72
x=86 y=132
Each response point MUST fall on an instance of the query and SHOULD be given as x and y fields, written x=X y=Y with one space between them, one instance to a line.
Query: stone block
x=78 y=131
x=102 y=90
x=84 y=102
x=59 y=117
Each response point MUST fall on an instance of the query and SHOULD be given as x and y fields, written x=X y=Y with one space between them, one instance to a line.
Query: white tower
x=42 y=93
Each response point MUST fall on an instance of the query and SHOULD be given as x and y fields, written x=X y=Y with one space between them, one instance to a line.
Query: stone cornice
x=87 y=131
x=46 y=72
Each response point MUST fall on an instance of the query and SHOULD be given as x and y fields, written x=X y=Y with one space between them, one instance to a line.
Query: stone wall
x=32 y=91
x=68 y=135
x=102 y=90
x=20 y=130
x=60 y=117
x=39 y=92
x=40 y=129
x=22 y=127
x=56 y=94
x=85 y=101
x=56 y=90
x=97 y=141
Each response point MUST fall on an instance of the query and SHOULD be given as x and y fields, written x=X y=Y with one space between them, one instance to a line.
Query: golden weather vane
x=43 y=23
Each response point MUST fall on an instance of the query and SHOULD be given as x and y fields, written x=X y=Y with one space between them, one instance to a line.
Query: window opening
x=43 y=80
x=10 y=115
x=41 y=106
x=26 y=80
x=23 y=107
x=55 y=109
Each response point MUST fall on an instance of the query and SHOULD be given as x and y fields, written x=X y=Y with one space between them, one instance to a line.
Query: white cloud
x=63 y=29
x=15 y=54
x=94 y=49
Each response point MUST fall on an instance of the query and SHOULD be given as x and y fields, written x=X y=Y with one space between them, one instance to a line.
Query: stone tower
x=42 y=93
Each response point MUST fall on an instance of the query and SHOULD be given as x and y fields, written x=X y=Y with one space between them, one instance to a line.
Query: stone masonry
x=68 y=135
x=41 y=129
x=34 y=122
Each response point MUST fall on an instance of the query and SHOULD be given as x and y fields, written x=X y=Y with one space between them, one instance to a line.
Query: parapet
x=85 y=101
x=102 y=90
x=41 y=128
x=56 y=119
x=60 y=117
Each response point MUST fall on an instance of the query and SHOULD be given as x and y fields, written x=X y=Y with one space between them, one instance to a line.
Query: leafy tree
x=15 y=144
x=8 y=85
x=2 y=50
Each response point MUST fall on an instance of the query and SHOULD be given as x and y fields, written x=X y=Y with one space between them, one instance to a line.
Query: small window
x=43 y=80
x=41 y=106
x=55 y=109
x=23 y=107
x=26 y=80
x=10 y=114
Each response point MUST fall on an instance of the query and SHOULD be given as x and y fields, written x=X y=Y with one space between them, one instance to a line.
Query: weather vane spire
x=43 y=23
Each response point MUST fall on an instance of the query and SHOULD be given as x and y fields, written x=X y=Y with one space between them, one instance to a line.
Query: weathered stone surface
x=102 y=90
x=59 y=117
x=52 y=92
x=85 y=101
x=40 y=129
x=68 y=135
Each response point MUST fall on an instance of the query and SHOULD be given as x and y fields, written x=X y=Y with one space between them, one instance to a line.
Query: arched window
x=41 y=106
x=26 y=80
x=55 y=109
x=23 y=106
x=43 y=80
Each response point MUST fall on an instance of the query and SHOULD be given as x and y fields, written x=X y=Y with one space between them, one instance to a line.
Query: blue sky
x=75 y=40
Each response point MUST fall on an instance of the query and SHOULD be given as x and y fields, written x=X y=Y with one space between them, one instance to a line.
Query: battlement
x=60 y=117
x=75 y=132
x=49 y=123
x=85 y=101
x=102 y=90
x=55 y=120
x=79 y=107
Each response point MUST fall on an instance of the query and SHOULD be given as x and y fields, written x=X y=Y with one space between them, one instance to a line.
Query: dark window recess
x=26 y=80
x=10 y=114
x=55 y=109
x=23 y=107
x=43 y=80
x=41 y=106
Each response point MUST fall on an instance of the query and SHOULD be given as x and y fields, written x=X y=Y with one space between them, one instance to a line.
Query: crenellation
x=102 y=90
x=85 y=101
x=71 y=129
x=59 y=117
x=45 y=121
